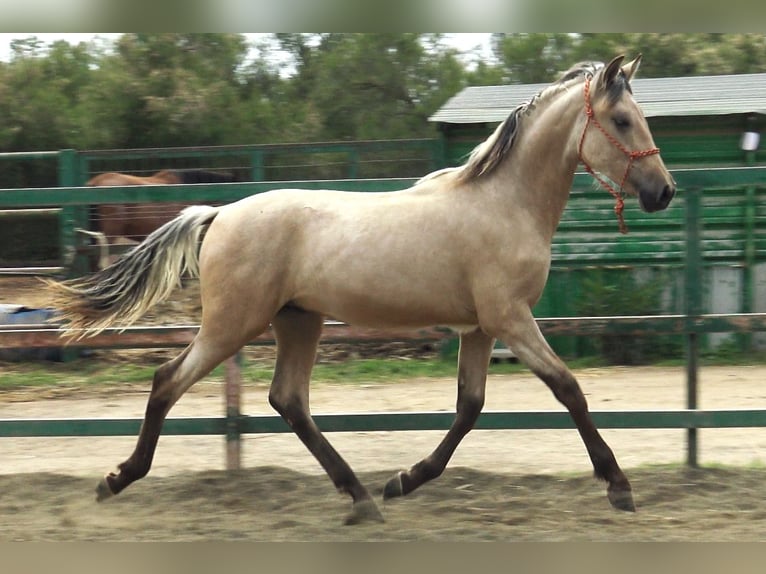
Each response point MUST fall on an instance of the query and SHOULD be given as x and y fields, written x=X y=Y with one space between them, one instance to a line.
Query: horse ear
x=611 y=71
x=631 y=68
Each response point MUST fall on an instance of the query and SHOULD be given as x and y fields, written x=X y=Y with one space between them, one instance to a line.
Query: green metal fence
x=279 y=162
x=681 y=237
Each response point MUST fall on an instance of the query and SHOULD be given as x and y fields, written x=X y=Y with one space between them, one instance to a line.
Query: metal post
x=693 y=308
x=257 y=165
x=353 y=163
x=750 y=254
x=67 y=168
x=233 y=377
x=439 y=152
x=72 y=216
x=692 y=354
x=67 y=224
x=748 y=281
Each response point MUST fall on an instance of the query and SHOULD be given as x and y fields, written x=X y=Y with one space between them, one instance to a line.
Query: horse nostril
x=667 y=194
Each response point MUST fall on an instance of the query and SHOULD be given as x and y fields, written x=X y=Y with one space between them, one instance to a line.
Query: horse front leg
x=297 y=333
x=473 y=362
x=520 y=332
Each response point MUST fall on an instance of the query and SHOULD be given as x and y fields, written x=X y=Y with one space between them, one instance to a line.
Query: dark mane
x=581 y=69
x=489 y=154
x=485 y=157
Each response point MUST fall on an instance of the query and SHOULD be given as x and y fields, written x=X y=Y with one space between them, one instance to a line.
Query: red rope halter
x=631 y=155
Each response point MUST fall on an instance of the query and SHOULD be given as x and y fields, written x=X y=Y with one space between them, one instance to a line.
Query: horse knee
x=471 y=390
x=568 y=392
x=469 y=405
x=161 y=382
x=289 y=405
x=276 y=401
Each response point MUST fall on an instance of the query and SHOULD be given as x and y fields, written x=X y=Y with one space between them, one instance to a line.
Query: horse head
x=616 y=145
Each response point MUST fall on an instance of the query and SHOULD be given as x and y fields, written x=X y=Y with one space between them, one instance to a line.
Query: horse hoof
x=364 y=511
x=103 y=490
x=394 y=487
x=621 y=500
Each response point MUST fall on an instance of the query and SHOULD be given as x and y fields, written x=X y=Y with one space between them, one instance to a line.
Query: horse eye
x=621 y=122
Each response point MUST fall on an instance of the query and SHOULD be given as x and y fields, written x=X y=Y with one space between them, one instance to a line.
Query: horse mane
x=190 y=176
x=489 y=154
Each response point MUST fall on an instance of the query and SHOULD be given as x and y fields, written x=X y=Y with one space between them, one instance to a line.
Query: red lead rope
x=619 y=205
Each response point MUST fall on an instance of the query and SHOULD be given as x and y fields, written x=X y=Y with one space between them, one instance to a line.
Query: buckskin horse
x=468 y=247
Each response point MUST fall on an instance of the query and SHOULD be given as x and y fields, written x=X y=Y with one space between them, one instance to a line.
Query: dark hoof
x=364 y=511
x=103 y=490
x=394 y=487
x=621 y=500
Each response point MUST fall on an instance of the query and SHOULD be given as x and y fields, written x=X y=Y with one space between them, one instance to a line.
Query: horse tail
x=143 y=277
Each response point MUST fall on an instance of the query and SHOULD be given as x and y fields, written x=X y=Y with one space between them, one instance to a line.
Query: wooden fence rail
x=22 y=336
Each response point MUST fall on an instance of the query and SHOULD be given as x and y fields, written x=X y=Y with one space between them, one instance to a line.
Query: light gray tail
x=143 y=277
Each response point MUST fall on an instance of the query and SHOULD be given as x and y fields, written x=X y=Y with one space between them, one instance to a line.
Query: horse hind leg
x=171 y=381
x=473 y=362
x=297 y=333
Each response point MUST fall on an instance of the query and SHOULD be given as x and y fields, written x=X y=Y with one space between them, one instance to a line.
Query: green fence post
x=692 y=307
x=72 y=217
x=748 y=275
x=257 y=170
x=353 y=163
x=67 y=174
x=439 y=153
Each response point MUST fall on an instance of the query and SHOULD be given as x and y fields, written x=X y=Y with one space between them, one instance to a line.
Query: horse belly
x=387 y=303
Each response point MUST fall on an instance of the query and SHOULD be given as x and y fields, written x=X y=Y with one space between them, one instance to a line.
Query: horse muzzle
x=656 y=199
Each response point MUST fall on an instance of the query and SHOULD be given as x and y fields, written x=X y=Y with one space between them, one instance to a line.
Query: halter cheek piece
x=631 y=155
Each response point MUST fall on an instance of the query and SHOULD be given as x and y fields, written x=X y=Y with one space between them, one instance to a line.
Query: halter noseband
x=631 y=155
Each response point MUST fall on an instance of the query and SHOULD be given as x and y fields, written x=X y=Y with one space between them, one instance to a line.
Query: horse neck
x=538 y=173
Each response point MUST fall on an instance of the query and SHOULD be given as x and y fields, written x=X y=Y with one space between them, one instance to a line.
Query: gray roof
x=690 y=96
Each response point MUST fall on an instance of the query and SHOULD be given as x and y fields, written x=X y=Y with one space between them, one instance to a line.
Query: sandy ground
x=500 y=485
x=538 y=451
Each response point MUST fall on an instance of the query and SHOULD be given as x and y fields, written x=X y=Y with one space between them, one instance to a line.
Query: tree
x=208 y=89
x=532 y=58
x=373 y=86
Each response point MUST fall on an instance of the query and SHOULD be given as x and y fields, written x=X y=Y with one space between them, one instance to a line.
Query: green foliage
x=154 y=90
x=612 y=293
x=104 y=372
x=732 y=352
x=528 y=58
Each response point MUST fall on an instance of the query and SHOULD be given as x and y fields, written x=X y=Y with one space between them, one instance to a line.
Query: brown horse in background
x=111 y=222
x=136 y=221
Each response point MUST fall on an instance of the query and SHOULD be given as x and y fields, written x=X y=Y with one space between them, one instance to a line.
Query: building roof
x=689 y=96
